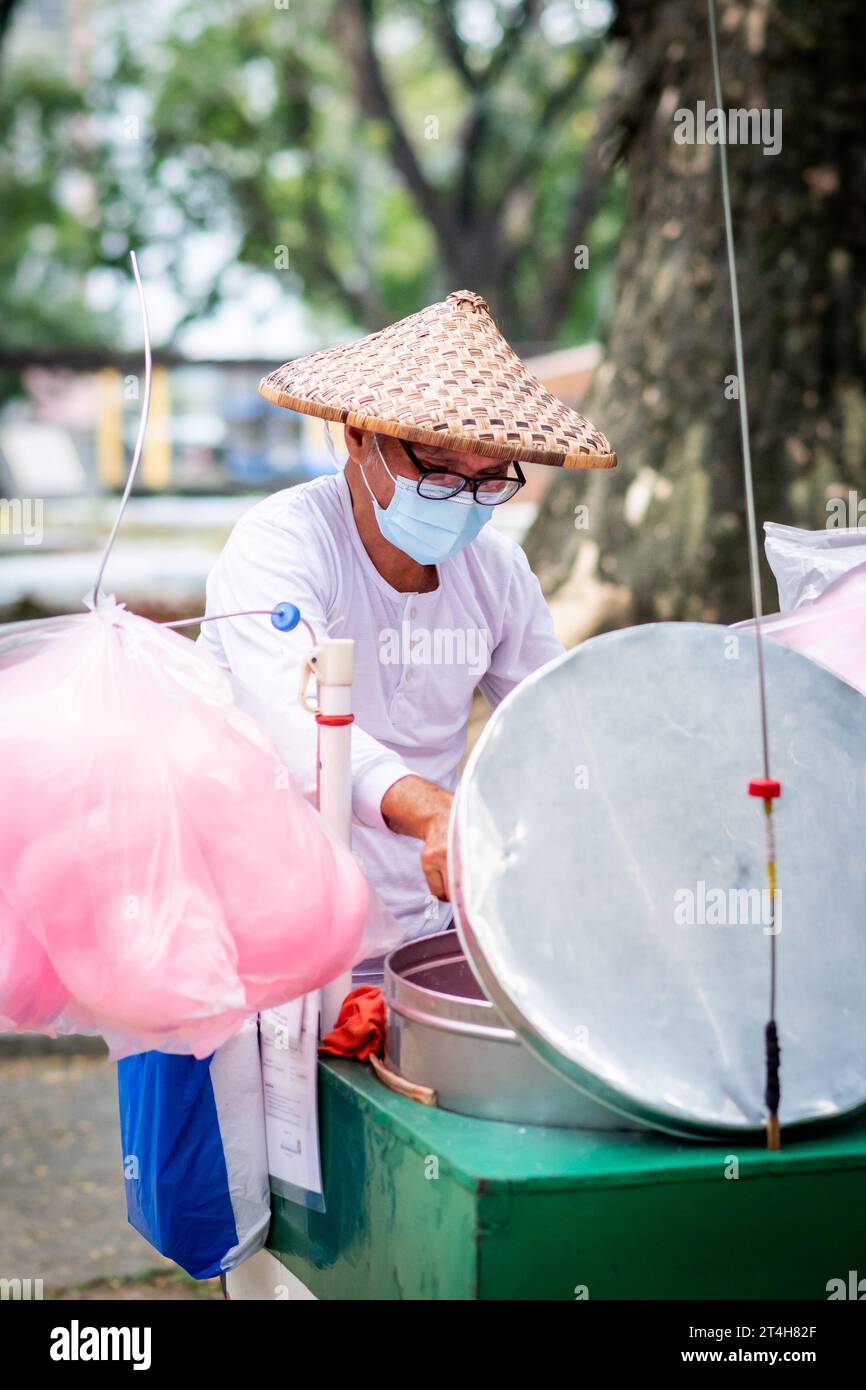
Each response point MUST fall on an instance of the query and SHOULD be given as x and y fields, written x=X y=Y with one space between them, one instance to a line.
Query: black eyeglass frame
x=472 y=483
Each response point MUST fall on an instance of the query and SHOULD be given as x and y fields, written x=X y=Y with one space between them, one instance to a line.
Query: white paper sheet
x=289 y=1041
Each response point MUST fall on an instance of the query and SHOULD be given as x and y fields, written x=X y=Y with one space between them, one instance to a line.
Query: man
x=396 y=553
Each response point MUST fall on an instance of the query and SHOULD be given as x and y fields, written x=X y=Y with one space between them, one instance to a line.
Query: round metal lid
x=608 y=876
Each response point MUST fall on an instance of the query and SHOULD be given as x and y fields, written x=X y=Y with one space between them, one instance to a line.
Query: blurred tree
x=368 y=155
x=48 y=244
x=666 y=534
x=379 y=153
x=7 y=8
x=52 y=222
x=69 y=201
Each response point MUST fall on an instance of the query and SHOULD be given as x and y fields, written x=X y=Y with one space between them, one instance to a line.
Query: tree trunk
x=666 y=531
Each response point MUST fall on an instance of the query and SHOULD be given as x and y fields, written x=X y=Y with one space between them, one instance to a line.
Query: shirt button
x=408 y=676
x=412 y=612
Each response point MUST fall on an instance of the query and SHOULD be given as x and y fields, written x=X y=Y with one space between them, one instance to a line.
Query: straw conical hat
x=444 y=376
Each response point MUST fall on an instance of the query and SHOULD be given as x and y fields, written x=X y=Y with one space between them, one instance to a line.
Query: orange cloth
x=360 y=1027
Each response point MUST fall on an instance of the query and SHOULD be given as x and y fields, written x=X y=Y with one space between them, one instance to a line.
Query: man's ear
x=356 y=442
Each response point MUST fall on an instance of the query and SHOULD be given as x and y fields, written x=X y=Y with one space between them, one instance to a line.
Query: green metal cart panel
x=424 y=1204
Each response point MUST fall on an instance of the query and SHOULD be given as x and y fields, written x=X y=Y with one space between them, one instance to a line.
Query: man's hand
x=414 y=806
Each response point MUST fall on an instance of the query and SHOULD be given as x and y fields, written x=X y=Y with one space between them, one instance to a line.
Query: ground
x=62 y=1209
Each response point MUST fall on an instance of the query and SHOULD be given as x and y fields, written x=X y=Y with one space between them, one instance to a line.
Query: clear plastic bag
x=162 y=878
x=805 y=562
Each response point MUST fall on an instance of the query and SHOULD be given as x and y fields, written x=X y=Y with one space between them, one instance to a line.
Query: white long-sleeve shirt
x=418 y=657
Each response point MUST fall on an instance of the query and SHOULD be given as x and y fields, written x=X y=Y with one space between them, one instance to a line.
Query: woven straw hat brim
x=446 y=377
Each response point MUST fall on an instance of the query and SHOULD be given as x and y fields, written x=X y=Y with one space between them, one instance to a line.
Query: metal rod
x=142 y=426
x=754 y=564
x=242 y=613
x=772 y=1046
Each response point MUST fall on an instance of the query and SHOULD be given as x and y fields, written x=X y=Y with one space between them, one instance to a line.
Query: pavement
x=62 y=1208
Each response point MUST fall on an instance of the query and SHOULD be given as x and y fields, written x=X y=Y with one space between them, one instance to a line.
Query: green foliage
x=47 y=246
x=370 y=155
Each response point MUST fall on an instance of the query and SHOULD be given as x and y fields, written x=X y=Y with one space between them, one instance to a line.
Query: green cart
x=426 y=1204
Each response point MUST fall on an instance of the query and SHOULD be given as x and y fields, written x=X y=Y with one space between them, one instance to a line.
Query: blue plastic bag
x=194 y=1153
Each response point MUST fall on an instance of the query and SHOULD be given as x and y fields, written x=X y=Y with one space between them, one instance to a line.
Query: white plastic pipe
x=332 y=664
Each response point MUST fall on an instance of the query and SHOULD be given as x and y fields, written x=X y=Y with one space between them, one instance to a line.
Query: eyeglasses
x=437 y=484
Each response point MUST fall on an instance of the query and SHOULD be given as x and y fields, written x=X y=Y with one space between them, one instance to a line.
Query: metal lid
x=608 y=876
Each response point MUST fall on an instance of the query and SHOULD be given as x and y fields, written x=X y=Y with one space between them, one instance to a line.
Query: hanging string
x=765 y=787
x=142 y=426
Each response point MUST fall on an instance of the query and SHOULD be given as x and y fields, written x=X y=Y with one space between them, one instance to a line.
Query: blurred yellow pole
x=156 y=458
x=109 y=428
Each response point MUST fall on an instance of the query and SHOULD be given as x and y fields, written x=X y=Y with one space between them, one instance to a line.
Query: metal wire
x=215 y=617
x=142 y=426
x=772 y=1047
x=243 y=613
x=754 y=565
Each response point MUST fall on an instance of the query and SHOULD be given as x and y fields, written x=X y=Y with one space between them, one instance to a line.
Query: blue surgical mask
x=430 y=531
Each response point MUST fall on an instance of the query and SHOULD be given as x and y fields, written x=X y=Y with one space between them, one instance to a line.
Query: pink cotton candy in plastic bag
x=162 y=877
x=30 y=992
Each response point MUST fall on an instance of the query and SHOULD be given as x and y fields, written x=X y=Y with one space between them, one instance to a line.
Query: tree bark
x=666 y=533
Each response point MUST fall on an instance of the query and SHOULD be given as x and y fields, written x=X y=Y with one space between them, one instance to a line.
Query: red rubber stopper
x=765 y=787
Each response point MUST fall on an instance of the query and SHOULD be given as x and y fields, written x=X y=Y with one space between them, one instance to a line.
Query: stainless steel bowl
x=444 y=1033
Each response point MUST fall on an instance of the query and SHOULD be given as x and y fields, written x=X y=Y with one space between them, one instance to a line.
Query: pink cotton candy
x=31 y=996
x=162 y=877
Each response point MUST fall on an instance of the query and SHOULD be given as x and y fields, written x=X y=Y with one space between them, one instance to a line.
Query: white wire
x=142 y=426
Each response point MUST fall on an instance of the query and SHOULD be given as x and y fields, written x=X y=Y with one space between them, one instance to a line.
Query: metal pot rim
x=403 y=993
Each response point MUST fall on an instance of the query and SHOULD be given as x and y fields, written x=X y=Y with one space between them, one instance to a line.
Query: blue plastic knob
x=285 y=616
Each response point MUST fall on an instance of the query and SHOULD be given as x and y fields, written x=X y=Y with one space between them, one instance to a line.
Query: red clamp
x=765 y=787
x=335 y=721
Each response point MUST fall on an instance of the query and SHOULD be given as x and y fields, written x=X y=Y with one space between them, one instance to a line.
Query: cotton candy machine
x=444 y=1032
x=608 y=879
x=603 y=974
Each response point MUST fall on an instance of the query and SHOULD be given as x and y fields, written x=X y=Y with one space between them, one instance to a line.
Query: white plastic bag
x=805 y=562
